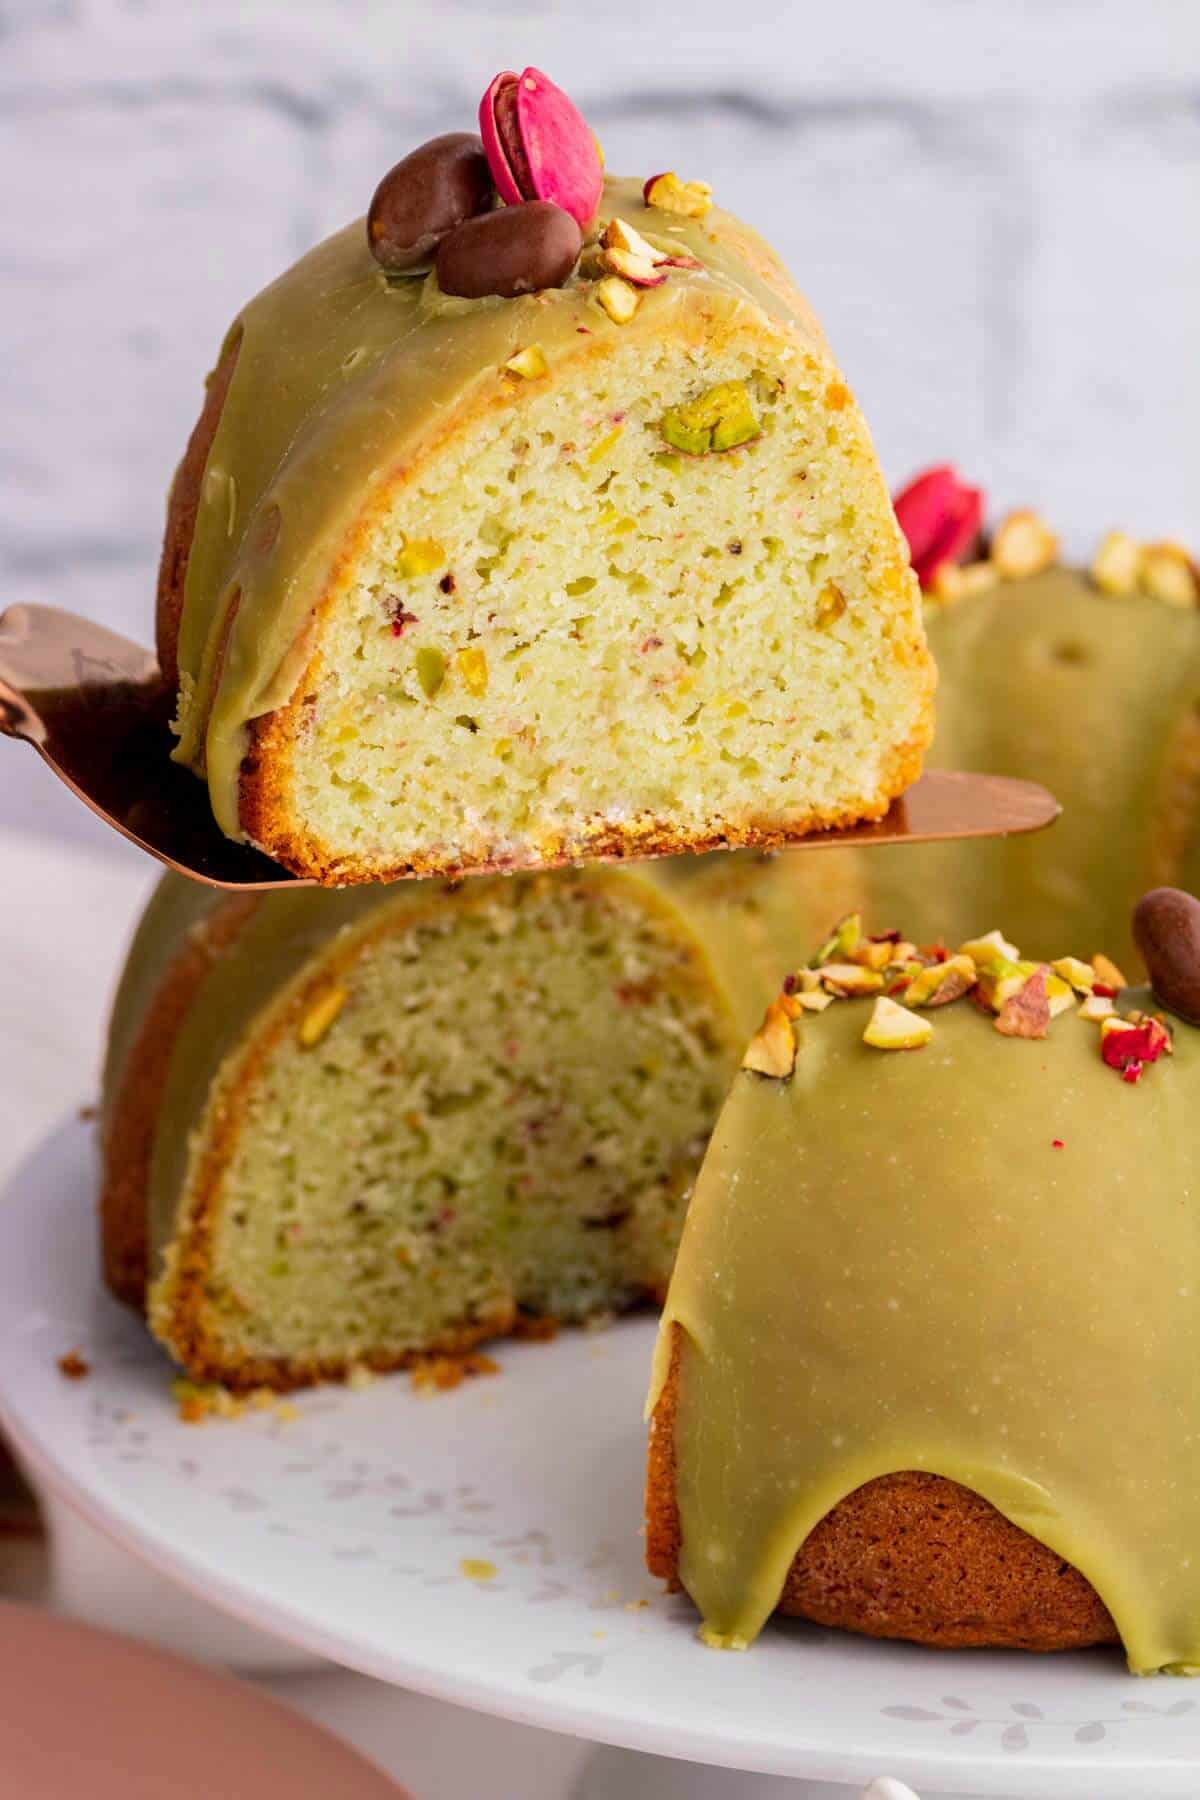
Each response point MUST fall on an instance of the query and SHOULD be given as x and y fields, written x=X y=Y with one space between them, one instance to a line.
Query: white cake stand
x=482 y=1547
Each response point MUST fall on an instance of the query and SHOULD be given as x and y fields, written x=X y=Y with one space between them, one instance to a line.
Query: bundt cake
x=929 y=1365
x=1086 y=679
x=343 y=1129
x=532 y=523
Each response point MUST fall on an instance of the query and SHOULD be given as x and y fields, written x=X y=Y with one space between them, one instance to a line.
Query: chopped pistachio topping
x=845 y=979
x=1024 y=996
x=1116 y=564
x=1023 y=545
x=1167 y=573
x=840 y=947
x=940 y=983
x=893 y=1027
x=1107 y=972
x=667 y=192
x=1026 y=1013
x=1079 y=975
x=617 y=297
x=772 y=1049
x=987 y=949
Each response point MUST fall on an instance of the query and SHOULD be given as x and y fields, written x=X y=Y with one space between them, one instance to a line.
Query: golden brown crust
x=129 y=1134
x=910 y=1555
x=183 y=503
x=269 y=822
x=205 y=1362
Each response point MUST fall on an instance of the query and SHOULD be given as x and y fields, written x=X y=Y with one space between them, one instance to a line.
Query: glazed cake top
x=976 y=1256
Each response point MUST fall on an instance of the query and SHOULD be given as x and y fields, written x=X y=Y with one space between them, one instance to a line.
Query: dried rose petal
x=1130 y=1048
x=941 y=517
x=539 y=146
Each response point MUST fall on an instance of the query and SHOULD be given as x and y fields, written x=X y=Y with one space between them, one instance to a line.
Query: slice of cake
x=929 y=1366
x=512 y=535
x=347 y=1129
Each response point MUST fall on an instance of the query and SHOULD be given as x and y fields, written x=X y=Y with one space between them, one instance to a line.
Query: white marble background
x=995 y=208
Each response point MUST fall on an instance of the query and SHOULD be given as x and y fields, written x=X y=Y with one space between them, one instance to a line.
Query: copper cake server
x=95 y=708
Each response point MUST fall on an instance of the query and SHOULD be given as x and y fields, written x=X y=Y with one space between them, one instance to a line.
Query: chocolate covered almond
x=427 y=194
x=515 y=250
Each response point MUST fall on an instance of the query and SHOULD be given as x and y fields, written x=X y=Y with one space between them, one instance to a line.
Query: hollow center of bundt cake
x=568 y=635
x=499 y=1107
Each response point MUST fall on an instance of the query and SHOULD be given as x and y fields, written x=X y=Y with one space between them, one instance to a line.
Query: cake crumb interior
x=497 y=1108
x=564 y=628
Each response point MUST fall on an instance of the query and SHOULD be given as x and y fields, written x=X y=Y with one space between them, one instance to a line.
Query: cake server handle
x=46 y=654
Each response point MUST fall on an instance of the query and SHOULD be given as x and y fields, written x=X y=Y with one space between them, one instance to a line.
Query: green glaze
x=175 y=909
x=1097 y=698
x=887 y=1265
x=284 y=934
x=343 y=378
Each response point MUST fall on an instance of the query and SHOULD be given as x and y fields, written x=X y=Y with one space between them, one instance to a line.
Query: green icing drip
x=887 y=1265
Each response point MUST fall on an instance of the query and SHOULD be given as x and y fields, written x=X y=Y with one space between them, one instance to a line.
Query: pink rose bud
x=539 y=146
x=941 y=517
